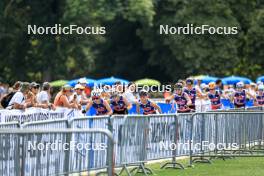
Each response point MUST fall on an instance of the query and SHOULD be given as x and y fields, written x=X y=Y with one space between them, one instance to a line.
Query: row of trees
x=132 y=47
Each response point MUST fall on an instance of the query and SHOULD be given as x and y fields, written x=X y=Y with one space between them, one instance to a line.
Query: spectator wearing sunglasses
x=31 y=96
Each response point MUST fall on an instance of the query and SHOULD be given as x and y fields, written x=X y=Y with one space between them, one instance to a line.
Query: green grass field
x=229 y=167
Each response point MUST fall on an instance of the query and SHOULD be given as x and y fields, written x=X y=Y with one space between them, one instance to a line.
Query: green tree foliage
x=132 y=46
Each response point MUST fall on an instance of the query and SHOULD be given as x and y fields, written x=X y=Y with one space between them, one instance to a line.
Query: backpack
x=6 y=99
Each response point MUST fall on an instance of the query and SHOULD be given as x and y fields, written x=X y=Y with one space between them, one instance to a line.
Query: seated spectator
x=62 y=98
x=18 y=100
x=43 y=97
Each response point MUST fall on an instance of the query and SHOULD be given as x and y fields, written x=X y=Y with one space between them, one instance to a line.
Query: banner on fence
x=37 y=114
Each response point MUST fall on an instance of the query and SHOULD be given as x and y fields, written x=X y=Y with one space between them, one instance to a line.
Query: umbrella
x=205 y=78
x=90 y=82
x=58 y=83
x=148 y=82
x=208 y=79
x=261 y=78
x=235 y=79
x=111 y=80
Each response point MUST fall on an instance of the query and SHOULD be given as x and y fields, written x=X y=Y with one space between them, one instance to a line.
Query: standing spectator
x=129 y=93
x=16 y=86
x=79 y=96
x=252 y=90
x=43 y=97
x=31 y=96
x=62 y=98
x=87 y=89
x=18 y=100
x=106 y=92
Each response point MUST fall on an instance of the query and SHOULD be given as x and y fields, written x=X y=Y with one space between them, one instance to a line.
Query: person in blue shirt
x=146 y=105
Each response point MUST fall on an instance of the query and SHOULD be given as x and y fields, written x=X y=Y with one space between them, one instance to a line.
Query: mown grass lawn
x=229 y=167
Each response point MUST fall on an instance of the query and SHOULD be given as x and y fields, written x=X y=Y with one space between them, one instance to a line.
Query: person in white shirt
x=129 y=93
x=18 y=100
x=43 y=97
x=78 y=95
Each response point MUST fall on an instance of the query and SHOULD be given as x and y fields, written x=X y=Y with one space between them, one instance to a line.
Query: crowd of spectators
x=24 y=95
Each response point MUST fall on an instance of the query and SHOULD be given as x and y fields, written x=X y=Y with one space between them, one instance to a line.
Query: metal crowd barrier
x=10 y=125
x=49 y=151
x=226 y=134
x=47 y=124
x=168 y=138
x=139 y=138
x=96 y=158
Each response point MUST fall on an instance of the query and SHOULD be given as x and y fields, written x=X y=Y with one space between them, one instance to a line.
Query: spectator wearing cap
x=87 y=89
x=62 y=98
x=18 y=100
x=43 y=97
x=78 y=96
